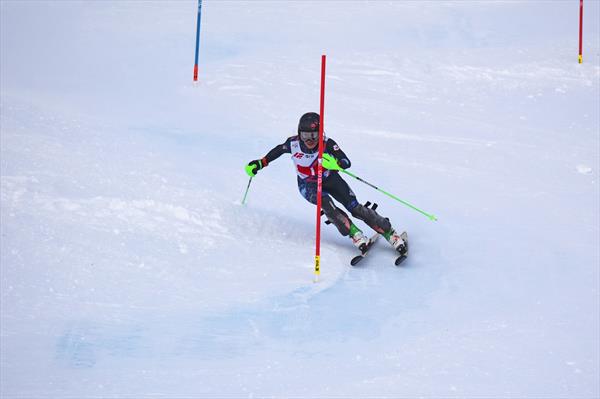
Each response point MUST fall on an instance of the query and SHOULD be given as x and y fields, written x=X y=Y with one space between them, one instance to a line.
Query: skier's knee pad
x=372 y=218
x=361 y=212
x=339 y=219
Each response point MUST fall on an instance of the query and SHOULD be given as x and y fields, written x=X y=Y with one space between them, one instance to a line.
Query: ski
x=399 y=260
x=364 y=253
x=403 y=254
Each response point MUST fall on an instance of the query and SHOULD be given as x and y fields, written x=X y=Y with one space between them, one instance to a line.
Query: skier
x=304 y=150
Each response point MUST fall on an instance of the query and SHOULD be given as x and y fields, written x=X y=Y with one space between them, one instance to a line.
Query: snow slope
x=129 y=268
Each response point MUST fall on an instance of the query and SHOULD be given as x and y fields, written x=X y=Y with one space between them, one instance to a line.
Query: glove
x=330 y=163
x=254 y=166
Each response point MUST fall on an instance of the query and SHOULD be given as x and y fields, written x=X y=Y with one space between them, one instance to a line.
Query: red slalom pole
x=580 y=31
x=320 y=171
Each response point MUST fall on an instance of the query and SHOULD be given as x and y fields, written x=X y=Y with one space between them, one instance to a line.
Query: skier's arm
x=278 y=151
x=332 y=148
x=254 y=166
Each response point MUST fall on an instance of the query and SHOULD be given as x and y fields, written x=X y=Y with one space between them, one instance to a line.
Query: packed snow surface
x=131 y=269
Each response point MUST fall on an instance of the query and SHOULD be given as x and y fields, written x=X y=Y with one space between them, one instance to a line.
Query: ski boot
x=358 y=238
x=398 y=241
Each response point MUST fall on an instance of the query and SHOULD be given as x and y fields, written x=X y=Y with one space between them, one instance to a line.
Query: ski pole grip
x=330 y=163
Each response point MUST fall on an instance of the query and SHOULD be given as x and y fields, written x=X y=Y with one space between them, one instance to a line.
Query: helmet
x=309 y=122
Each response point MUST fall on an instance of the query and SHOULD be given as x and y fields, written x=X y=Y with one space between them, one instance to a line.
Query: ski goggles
x=305 y=136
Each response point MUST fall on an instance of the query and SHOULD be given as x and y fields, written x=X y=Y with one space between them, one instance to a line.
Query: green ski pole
x=330 y=163
x=246 y=193
x=430 y=216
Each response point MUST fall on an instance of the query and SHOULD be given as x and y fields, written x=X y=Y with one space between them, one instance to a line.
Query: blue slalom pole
x=197 y=40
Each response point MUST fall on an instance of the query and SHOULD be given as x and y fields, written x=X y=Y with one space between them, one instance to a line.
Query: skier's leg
x=381 y=225
x=334 y=214
x=371 y=218
x=341 y=191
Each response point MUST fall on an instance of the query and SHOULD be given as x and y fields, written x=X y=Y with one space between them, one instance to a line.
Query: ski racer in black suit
x=304 y=150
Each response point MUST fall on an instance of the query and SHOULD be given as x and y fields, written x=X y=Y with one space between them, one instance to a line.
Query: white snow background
x=130 y=269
